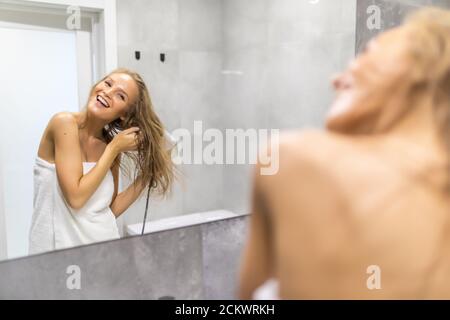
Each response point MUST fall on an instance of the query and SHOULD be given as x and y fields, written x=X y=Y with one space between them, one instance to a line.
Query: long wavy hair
x=430 y=51
x=152 y=160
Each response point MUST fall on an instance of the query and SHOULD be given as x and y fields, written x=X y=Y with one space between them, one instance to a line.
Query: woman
x=76 y=174
x=362 y=210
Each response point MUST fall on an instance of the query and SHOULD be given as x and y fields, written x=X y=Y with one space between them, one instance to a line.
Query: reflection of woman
x=76 y=198
x=362 y=210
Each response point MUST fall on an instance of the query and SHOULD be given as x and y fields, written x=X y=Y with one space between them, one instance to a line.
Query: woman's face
x=113 y=96
x=371 y=83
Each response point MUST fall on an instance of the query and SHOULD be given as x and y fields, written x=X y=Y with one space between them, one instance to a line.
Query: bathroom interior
x=229 y=64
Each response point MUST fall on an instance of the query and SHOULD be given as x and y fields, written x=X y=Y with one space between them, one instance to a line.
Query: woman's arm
x=76 y=187
x=124 y=199
x=257 y=264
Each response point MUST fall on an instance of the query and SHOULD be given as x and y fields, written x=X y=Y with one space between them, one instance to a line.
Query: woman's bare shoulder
x=315 y=150
x=346 y=160
x=57 y=123
x=63 y=117
x=62 y=120
x=315 y=143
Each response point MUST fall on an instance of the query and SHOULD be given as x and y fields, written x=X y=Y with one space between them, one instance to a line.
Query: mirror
x=224 y=77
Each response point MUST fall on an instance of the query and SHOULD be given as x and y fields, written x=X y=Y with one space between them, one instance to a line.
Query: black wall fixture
x=162 y=57
x=137 y=55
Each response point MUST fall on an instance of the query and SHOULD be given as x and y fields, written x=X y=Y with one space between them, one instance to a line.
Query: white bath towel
x=269 y=290
x=55 y=225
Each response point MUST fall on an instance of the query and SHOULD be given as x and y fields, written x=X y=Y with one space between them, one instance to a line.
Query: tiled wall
x=185 y=88
x=392 y=14
x=287 y=51
x=197 y=262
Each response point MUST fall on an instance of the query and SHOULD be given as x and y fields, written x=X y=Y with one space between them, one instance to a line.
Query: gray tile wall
x=185 y=88
x=222 y=249
x=286 y=51
x=186 y=263
x=392 y=14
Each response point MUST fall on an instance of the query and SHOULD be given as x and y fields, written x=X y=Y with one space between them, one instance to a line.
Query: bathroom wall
x=185 y=88
x=196 y=262
x=233 y=64
x=284 y=52
x=391 y=12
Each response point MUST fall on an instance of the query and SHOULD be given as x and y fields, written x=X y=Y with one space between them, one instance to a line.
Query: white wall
x=38 y=78
x=3 y=245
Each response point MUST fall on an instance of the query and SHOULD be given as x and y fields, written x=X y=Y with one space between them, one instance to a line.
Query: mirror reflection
x=140 y=116
x=76 y=174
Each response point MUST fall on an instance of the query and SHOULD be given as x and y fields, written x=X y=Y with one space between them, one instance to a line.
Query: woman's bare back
x=353 y=203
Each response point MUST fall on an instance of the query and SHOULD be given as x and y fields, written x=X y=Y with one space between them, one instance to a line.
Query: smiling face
x=369 y=91
x=112 y=97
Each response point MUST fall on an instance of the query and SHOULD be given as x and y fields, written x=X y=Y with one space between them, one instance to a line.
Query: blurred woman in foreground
x=370 y=196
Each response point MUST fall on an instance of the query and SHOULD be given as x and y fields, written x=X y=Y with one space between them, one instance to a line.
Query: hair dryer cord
x=146 y=208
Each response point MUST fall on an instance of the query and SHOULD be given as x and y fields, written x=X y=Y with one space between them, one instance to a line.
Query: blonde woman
x=362 y=209
x=76 y=173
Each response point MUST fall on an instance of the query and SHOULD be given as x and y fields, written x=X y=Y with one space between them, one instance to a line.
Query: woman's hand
x=127 y=140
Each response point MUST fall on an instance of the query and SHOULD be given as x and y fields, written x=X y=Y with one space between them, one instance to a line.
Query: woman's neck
x=89 y=127
x=419 y=126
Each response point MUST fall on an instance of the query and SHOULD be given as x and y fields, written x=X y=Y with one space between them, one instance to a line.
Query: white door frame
x=104 y=31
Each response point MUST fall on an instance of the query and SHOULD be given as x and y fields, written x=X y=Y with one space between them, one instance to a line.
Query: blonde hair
x=430 y=51
x=153 y=160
